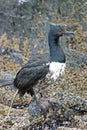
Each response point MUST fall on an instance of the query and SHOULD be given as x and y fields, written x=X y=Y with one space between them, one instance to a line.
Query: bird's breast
x=55 y=70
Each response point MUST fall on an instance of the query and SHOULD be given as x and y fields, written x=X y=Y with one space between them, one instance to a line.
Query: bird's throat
x=56 y=52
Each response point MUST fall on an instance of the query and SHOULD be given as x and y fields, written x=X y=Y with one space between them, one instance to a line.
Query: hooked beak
x=68 y=33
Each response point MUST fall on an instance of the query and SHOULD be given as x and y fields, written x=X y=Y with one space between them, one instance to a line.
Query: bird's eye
x=62 y=31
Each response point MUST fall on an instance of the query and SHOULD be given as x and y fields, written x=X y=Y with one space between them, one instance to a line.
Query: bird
x=35 y=72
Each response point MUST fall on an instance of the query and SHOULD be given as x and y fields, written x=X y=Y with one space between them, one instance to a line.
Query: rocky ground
x=68 y=111
x=67 y=98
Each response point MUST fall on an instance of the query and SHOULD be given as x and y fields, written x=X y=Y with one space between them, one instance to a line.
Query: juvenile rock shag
x=33 y=72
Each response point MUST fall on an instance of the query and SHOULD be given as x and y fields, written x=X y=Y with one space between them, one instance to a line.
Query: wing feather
x=28 y=76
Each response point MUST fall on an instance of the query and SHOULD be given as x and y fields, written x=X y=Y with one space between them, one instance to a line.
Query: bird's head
x=59 y=30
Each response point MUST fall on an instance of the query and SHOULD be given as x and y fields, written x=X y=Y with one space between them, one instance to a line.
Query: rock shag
x=33 y=72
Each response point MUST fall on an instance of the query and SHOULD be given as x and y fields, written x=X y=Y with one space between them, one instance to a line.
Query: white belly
x=55 y=70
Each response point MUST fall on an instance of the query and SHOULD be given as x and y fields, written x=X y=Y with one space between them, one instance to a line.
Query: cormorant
x=34 y=72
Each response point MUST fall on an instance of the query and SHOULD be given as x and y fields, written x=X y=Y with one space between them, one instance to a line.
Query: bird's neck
x=56 y=52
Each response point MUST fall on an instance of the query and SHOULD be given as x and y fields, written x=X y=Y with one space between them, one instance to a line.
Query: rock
x=67 y=128
x=72 y=102
x=76 y=58
x=7 y=76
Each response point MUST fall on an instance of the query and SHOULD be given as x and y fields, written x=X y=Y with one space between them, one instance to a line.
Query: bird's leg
x=33 y=95
x=41 y=95
x=42 y=101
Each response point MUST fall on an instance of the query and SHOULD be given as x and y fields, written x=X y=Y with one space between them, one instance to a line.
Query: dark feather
x=29 y=75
